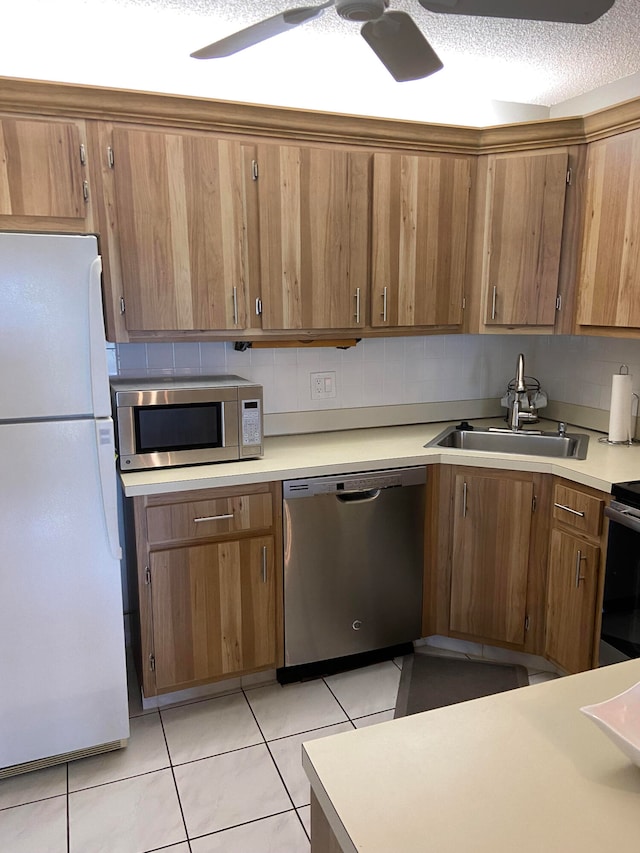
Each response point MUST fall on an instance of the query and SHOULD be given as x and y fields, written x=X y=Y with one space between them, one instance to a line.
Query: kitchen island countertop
x=522 y=770
x=347 y=451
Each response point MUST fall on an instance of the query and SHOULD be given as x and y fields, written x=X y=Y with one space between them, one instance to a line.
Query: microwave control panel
x=251 y=423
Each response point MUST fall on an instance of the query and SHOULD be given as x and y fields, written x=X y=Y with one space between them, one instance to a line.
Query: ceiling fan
x=395 y=37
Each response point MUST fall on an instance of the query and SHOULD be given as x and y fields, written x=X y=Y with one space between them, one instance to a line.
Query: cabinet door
x=213 y=611
x=525 y=210
x=571 y=599
x=314 y=237
x=489 y=571
x=419 y=239
x=609 y=286
x=183 y=249
x=41 y=170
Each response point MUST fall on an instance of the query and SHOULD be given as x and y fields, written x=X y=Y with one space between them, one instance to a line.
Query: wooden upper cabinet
x=419 y=239
x=609 y=285
x=525 y=204
x=490 y=556
x=43 y=175
x=179 y=207
x=313 y=213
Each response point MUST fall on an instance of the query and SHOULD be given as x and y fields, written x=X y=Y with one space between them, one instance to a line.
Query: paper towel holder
x=624 y=371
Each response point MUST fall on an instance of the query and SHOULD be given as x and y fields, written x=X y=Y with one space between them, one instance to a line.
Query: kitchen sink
x=499 y=440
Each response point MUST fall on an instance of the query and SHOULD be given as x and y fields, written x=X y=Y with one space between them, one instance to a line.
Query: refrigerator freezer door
x=52 y=346
x=62 y=661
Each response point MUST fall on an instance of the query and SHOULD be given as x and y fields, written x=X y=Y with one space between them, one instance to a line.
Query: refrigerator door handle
x=106 y=464
x=97 y=350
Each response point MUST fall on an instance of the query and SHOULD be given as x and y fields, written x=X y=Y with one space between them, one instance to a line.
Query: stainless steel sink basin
x=529 y=442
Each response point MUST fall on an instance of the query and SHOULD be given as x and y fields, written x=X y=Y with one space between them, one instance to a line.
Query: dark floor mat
x=432 y=681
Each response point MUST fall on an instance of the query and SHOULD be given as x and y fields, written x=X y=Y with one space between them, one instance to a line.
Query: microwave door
x=163 y=434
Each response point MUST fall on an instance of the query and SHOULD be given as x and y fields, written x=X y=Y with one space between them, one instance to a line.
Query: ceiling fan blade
x=401 y=47
x=261 y=31
x=561 y=11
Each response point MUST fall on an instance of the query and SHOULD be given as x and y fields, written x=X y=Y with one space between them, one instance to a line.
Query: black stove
x=628 y=493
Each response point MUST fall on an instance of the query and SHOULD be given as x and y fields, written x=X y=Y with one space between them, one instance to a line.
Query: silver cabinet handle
x=235 y=306
x=212 y=518
x=464 y=500
x=579 y=558
x=357 y=314
x=568 y=509
x=384 y=304
x=264 y=564
x=493 y=302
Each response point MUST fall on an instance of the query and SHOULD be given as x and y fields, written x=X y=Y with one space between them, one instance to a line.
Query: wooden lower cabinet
x=575 y=576
x=210 y=603
x=571 y=598
x=490 y=562
x=213 y=610
x=486 y=556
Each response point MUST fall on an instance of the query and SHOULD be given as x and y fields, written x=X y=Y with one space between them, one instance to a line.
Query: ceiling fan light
x=361 y=10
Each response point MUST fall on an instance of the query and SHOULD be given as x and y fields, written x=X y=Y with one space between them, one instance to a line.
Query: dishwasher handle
x=359 y=497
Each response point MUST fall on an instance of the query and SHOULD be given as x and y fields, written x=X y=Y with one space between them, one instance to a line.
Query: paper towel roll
x=620 y=412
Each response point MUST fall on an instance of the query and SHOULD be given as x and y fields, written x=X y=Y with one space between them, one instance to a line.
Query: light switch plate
x=323 y=385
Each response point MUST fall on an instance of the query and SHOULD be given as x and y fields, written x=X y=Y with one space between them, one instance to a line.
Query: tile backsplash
x=389 y=371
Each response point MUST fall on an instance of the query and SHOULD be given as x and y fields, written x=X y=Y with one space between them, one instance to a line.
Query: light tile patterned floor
x=220 y=775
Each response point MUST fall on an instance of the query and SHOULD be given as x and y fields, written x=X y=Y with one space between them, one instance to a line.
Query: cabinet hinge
x=254 y=170
x=152 y=663
x=147 y=575
x=122 y=305
x=534 y=503
x=558 y=303
x=258 y=306
x=85 y=190
x=83 y=155
x=569 y=175
x=110 y=159
x=526 y=622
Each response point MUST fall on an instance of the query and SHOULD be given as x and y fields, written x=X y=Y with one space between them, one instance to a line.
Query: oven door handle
x=623 y=517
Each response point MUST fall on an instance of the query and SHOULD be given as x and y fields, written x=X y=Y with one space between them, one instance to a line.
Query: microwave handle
x=620 y=516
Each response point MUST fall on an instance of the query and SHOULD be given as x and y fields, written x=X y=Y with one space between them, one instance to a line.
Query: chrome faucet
x=521 y=388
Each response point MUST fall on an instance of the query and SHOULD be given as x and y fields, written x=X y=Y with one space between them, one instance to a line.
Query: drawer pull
x=264 y=564
x=212 y=518
x=579 y=558
x=568 y=509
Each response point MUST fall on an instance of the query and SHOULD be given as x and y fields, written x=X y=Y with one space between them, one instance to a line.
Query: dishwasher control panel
x=362 y=482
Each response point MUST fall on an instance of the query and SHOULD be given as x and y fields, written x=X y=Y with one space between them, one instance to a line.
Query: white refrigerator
x=63 y=686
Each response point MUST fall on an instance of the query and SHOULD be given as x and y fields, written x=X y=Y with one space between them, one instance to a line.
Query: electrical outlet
x=323 y=385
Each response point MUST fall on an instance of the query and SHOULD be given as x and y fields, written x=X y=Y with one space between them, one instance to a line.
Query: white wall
x=388 y=371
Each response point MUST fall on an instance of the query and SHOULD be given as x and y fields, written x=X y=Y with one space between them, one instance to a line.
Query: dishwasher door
x=353 y=563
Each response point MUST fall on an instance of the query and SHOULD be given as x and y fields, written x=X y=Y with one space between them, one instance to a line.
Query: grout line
x=175 y=782
x=339 y=702
x=236 y=825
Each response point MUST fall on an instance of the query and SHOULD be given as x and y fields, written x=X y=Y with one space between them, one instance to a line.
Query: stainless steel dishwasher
x=353 y=563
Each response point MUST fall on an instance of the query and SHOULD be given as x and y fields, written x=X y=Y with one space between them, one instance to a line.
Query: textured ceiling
x=324 y=64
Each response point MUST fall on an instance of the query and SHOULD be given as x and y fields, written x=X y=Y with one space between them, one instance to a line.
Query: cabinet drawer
x=578 y=510
x=209 y=518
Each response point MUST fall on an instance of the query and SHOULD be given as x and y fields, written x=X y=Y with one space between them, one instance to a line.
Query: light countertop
x=522 y=770
x=314 y=454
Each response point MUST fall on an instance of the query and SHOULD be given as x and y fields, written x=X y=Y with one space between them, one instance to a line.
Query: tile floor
x=217 y=775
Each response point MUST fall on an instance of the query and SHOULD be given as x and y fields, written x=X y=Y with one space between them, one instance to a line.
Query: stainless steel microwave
x=165 y=421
